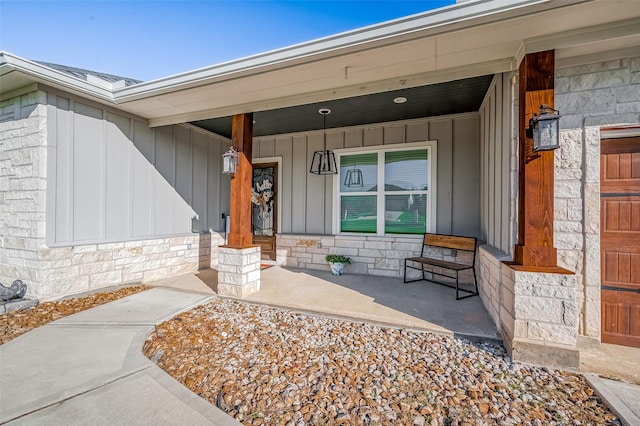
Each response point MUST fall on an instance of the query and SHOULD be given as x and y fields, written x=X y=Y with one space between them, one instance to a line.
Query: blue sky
x=152 y=39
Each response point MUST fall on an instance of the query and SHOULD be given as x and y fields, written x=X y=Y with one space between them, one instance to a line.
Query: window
x=386 y=191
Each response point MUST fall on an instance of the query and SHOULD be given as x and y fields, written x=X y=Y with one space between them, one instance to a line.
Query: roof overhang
x=464 y=40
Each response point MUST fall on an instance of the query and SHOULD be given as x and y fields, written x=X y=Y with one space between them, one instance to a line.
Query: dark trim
x=619 y=194
x=629 y=290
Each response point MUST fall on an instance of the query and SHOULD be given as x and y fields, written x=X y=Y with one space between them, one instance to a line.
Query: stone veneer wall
x=23 y=180
x=238 y=271
x=217 y=240
x=209 y=253
x=53 y=272
x=536 y=313
x=68 y=270
x=589 y=97
x=370 y=255
x=497 y=299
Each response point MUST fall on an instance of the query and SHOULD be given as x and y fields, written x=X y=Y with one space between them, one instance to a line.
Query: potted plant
x=337 y=262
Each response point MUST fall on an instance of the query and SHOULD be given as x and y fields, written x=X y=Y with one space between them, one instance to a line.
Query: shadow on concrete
x=385 y=300
x=209 y=277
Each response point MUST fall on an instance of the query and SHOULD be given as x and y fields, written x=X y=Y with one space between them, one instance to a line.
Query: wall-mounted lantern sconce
x=230 y=161
x=545 y=129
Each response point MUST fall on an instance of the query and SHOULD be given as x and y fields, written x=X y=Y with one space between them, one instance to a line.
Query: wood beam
x=240 y=235
x=536 y=169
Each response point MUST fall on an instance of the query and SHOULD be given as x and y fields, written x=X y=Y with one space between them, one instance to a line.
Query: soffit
x=12 y=81
x=455 y=97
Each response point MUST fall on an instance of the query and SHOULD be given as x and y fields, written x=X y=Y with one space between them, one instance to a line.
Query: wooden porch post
x=535 y=179
x=240 y=235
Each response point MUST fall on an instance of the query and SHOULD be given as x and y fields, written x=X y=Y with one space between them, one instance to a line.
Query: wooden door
x=620 y=240
x=264 y=214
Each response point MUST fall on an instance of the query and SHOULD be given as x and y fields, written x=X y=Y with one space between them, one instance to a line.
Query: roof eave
x=41 y=74
x=455 y=17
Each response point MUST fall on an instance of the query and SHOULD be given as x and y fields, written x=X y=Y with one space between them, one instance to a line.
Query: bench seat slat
x=450 y=241
x=440 y=263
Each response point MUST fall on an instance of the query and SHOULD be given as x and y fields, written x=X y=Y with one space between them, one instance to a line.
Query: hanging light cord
x=324 y=132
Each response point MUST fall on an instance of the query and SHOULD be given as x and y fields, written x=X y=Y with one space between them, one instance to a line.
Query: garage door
x=620 y=240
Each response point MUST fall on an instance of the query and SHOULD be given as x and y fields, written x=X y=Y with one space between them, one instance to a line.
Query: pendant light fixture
x=324 y=162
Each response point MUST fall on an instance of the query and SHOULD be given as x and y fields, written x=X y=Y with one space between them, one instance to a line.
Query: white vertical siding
x=307 y=200
x=496 y=115
x=112 y=178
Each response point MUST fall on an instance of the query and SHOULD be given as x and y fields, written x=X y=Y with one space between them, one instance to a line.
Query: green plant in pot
x=337 y=262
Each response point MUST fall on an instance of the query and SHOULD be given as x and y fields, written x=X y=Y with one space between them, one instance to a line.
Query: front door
x=620 y=240
x=264 y=216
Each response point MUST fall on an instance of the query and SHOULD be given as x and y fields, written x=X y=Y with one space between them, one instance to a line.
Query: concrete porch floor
x=382 y=300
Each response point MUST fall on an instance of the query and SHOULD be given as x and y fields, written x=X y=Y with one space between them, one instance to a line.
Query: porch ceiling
x=452 y=97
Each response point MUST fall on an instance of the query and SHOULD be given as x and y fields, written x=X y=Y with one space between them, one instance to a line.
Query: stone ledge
x=559 y=356
x=538 y=269
x=15 y=305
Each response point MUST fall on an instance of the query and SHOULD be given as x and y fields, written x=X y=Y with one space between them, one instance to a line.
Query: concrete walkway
x=622 y=398
x=89 y=369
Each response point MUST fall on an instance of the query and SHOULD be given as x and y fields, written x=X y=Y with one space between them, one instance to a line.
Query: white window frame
x=432 y=155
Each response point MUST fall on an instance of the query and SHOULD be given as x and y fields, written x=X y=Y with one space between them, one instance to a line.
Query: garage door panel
x=621 y=318
x=620 y=241
x=621 y=269
x=635 y=165
x=616 y=241
x=624 y=166
x=621 y=213
x=620 y=166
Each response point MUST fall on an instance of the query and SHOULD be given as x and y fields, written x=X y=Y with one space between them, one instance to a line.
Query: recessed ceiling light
x=400 y=100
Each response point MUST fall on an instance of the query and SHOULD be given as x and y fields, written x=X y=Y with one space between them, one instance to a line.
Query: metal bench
x=427 y=264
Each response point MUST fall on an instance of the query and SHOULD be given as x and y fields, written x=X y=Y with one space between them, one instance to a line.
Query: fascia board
x=42 y=74
x=583 y=35
x=455 y=17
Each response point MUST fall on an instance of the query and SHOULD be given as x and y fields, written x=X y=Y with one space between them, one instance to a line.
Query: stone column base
x=238 y=271
x=549 y=355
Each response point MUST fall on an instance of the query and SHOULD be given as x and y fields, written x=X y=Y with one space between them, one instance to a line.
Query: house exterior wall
x=113 y=178
x=79 y=268
x=23 y=182
x=557 y=312
x=370 y=255
x=498 y=165
x=307 y=200
x=91 y=197
x=499 y=188
x=590 y=97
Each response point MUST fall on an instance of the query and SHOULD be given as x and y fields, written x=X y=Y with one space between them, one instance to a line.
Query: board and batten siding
x=113 y=178
x=307 y=199
x=498 y=166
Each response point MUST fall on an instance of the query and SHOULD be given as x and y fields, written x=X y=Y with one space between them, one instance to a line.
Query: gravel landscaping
x=15 y=323
x=269 y=366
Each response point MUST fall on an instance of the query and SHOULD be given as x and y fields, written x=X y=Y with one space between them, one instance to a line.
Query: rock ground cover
x=268 y=366
x=15 y=323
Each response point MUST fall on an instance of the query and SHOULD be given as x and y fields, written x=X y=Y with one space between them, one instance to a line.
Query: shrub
x=338 y=258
